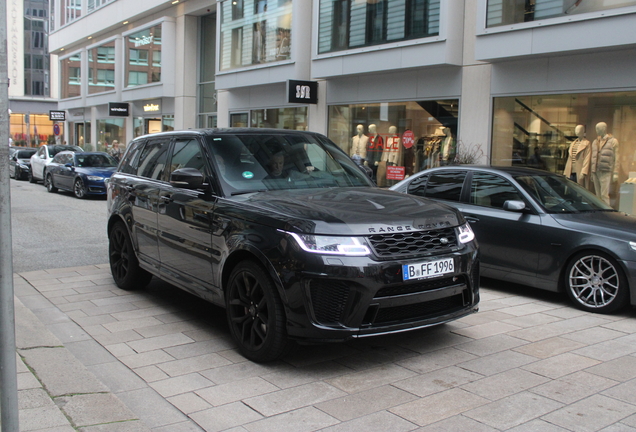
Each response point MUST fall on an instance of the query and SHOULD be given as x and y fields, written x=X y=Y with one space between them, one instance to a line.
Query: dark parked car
x=20 y=163
x=83 y=173
x=290 y=236
x=542 y=230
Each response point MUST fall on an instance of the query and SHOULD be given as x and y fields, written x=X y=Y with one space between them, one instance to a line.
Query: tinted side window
x=58 y=159
x=490 y=190
x=129 y=164
x=187 y=154
x=445 y=185
x=418 y=186
x=153 y=158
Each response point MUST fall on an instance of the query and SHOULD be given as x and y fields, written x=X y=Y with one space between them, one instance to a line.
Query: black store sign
x=305 y=92
x=57 y=115
x=118 y=109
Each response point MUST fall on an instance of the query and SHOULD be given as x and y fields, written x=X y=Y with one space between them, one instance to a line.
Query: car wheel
x=48 y=183
x=78 y=188
x=255 y=313
x=596 y=283
x=124 y=265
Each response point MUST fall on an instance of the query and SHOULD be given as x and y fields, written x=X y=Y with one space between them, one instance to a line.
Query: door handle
x=471 y=219
x=166 y=199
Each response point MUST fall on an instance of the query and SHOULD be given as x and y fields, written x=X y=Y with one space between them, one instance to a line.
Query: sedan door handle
x=166 y=199
x=471 y=219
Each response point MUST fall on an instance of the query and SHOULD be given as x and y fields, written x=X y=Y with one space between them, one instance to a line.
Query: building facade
x=402 y=84
x=31 y=70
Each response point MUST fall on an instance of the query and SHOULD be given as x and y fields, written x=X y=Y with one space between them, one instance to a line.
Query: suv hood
x=616 y=225
x=349 y=211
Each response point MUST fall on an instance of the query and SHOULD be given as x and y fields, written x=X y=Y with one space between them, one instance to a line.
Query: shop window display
x=396 y=139
x=586 y=137
x=280 y=118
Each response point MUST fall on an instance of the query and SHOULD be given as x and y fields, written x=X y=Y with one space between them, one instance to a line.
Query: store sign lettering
x=151 y=107
x=145 y=40
x=302 y=92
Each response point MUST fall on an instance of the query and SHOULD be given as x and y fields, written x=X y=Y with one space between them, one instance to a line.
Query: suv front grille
x=406 y=244
x=329 y=298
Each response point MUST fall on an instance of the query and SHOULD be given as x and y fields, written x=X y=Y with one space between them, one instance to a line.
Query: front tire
x=255 y=313
x=124 y=265
x=78 y=188
x=48 y=183
x=596 y=283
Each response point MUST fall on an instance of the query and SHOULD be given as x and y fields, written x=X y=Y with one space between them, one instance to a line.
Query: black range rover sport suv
x=288 y=234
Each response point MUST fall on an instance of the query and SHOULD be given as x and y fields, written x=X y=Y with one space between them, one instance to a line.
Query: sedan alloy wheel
x=79 y=189
x=595 y=283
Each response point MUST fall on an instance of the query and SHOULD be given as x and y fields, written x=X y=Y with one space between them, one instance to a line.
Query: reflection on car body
x=310 y=252
x=540 y=229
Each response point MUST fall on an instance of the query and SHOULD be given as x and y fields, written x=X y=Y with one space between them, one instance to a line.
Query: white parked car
x=44 y=156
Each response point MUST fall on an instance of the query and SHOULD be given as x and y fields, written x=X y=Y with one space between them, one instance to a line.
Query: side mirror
x=187 y=178
x=68 y=165
x=514 y=205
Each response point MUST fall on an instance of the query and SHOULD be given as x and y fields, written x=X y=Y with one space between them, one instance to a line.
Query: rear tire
x=595 y=283
x=124 y=265
x=48 y=183
x=255 y=314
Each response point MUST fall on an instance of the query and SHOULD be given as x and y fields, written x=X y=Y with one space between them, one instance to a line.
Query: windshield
x=94 y=160
x=25 y=154
x=55 y=149
x=557 y=194
x=251 y=162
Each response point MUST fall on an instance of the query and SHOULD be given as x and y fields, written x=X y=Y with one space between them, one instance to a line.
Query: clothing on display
x=603 y=161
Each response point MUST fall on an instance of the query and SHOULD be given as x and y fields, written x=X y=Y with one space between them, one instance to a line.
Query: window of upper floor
x=507 y=12
x=101 y=68
x=254 y=32
x=71 y=76
x=143 y=56
x=348 y=24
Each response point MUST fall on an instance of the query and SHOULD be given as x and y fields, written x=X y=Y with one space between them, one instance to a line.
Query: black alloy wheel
x=48 y=183
x=124 y=265
x=79 y=189
x=596 y=283
x=255 y=313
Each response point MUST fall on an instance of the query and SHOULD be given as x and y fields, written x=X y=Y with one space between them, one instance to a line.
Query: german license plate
x=428 y=269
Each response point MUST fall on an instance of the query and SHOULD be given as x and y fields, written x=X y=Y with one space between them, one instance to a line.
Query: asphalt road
x=55 y=230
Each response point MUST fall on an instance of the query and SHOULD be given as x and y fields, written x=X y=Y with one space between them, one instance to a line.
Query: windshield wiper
x=248 y=192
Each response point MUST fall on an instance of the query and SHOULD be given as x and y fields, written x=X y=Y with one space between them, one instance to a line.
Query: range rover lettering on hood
x=401 y=228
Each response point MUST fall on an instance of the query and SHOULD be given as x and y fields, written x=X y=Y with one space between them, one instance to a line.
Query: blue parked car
x=81 y=173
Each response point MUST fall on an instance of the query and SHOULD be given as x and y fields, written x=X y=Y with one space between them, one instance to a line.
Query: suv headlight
x=466 y=233
x=331 y=245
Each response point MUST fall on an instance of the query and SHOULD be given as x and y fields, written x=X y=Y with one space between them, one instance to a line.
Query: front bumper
x=341 y=298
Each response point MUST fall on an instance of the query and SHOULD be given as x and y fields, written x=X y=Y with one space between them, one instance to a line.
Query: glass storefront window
x=71 y=69
x=38 y=131
x=280 y=118
x=143 y=57
x=396 y=139
x=560 y=134
x=101 y=68
x=250 y=36
x=346 y=24
x=109 y=130
x=167 y=123
x=504 y=12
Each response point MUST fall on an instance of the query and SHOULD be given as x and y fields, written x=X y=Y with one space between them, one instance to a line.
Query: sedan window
x=490 y=190
x=446 y=185
x=418 y=186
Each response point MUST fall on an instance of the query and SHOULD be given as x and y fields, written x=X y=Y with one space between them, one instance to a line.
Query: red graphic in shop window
x=408 y=139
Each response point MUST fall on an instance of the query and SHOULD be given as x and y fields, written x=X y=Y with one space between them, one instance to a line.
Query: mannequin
x=359 y=143
x=579 y=156
x=375 y=144
x=603 y=161
x=392 y=148
x=447 y=147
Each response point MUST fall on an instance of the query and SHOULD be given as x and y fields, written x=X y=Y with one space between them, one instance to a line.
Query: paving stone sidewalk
x=92 y=357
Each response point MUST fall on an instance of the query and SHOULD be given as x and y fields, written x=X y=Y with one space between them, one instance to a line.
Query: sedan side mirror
x=514 y=205
x=187 y=178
